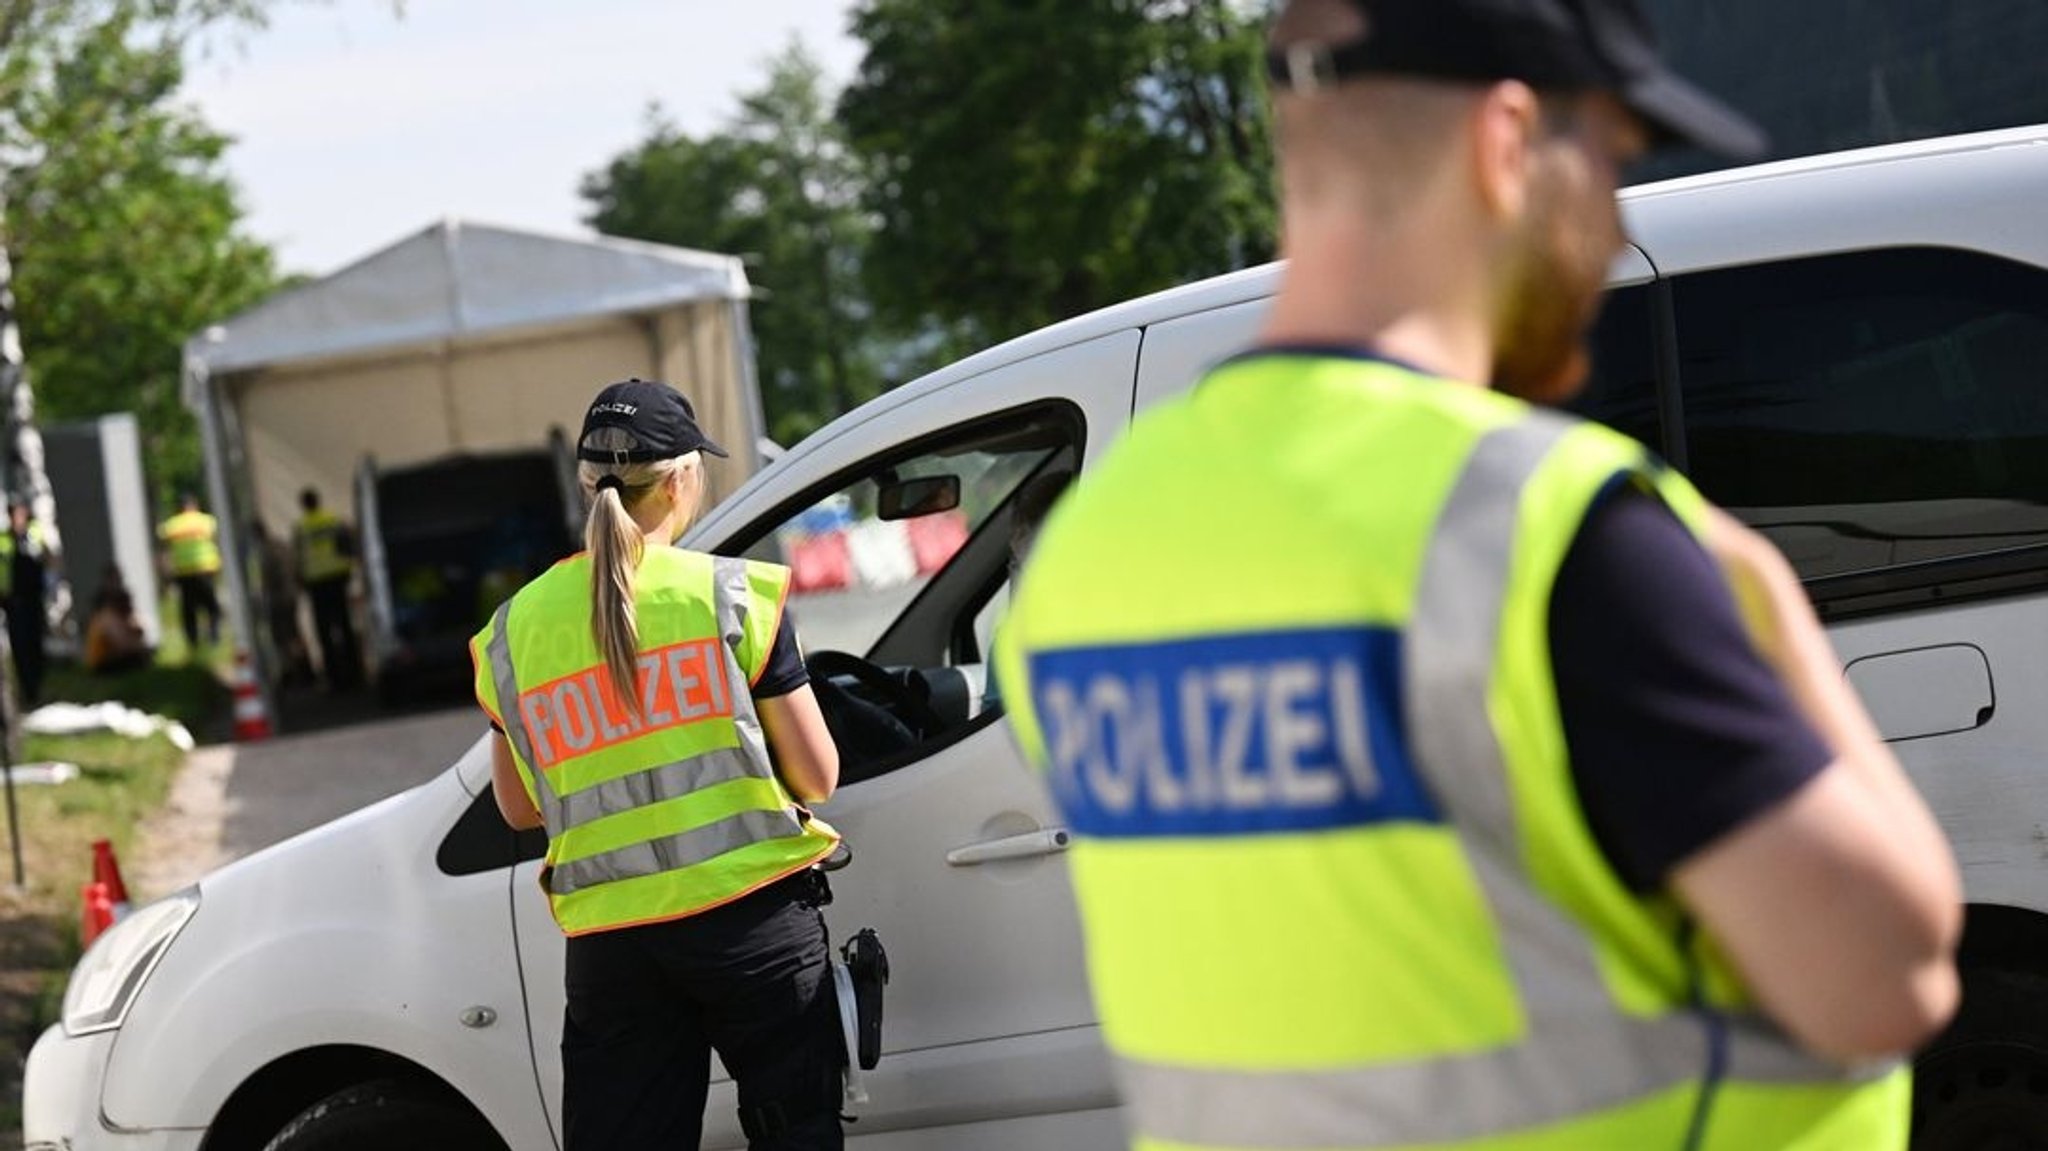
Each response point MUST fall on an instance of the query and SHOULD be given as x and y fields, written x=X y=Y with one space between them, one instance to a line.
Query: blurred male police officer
x=1431 y=787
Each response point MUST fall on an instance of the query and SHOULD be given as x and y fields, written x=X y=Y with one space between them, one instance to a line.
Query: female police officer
x=637 y=689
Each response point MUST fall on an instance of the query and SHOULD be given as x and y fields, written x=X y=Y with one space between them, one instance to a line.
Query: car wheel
x=386 y=1115
x=1983 y=1084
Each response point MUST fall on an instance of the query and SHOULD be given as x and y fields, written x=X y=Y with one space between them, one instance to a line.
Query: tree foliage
x=122 y=227
x=1037 y=159
x=775 y=185
x=120 y=220
x=966 y=189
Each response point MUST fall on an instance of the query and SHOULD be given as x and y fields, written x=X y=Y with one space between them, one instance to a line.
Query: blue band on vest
x=1229 y=735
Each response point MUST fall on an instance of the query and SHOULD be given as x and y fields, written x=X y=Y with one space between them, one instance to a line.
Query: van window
x=1871 y=409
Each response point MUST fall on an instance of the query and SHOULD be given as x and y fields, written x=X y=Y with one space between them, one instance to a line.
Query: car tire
x=1982 y=1085
x=386 y=1115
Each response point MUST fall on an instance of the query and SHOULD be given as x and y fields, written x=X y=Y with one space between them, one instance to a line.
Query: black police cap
x=661 y=421
x=1552 y=45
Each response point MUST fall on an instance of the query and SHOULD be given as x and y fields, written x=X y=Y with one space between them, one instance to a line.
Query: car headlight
x=105 y=982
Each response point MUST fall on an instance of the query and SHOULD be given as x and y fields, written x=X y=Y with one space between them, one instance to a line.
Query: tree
x=1126 y=151
x=45 y=43
x=123 y=232
x=776 y=185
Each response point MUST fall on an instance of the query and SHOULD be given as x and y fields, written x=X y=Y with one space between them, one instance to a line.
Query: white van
x=1851 y=351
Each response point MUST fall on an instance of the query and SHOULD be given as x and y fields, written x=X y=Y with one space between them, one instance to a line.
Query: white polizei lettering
x=1353 y=735
x=1113 y=779
x=568 y=695
x=1065 y=728
x=1292 y=731
x=650 y=693
x=540 y=719
x=1194 y=734
x=1236 y=688
x=684 y=685
x=1143 y=740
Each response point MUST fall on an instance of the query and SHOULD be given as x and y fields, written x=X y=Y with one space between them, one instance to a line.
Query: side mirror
x=919 y=496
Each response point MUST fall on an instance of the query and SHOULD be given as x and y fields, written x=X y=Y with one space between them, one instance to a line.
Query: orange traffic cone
x=106 y=869
x=252 y=722
x=95 y=913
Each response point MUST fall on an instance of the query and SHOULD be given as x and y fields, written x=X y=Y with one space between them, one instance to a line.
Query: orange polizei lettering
x=581 y=713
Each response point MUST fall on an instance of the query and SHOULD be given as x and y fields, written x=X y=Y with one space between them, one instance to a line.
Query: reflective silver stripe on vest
x=730 y=594
x=674 y=852
x=506 y=680
x=1580 y=1054
x=668 y=781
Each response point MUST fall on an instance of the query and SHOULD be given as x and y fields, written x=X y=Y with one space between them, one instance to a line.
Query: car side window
x=859 y=555
x=893 y=563
x=480 y=841
x=1871 y=409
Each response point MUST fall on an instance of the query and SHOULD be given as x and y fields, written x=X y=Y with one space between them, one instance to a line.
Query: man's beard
x=1540 y=352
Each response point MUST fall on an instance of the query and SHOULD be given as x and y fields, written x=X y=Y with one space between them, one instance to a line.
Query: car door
x=956 y=850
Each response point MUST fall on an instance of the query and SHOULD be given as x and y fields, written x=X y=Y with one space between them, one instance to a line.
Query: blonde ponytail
x=615 y=546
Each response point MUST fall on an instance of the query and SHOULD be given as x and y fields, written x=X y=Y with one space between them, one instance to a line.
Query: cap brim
x=1681 y=114
x=714 y=449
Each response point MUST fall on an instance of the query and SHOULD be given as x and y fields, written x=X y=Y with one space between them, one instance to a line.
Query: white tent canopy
x=457 y=279
x=461 y=338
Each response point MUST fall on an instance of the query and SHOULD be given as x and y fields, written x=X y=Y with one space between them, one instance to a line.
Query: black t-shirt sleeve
x=785 y=671
x=1678 y=731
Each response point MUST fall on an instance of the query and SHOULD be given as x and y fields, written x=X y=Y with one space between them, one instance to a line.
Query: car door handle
x=1044 y=841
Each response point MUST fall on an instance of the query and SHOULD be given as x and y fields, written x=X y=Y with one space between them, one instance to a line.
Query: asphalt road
x=281 y=787
x=235 y=799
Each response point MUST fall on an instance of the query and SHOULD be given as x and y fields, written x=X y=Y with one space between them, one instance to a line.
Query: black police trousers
x=647 y=1006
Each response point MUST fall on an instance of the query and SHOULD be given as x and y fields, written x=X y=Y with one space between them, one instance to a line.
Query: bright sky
x=356 y=128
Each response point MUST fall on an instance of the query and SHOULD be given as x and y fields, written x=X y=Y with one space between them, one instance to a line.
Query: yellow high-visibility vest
x=1337 y=885
x=190 y=537
x=674 y=812
x=322 y=556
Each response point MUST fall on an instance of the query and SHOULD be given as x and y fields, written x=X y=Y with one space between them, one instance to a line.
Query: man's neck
x=1391 y=294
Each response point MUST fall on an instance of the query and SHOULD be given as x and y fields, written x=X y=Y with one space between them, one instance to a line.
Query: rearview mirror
x=918 y=496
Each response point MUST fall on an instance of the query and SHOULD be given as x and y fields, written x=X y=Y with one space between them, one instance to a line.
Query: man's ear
x=1504 y=127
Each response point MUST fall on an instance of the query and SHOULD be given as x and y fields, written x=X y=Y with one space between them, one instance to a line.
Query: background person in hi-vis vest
x=326 y=559
x=637 y=689
x=192 y=557
x=1457 y=802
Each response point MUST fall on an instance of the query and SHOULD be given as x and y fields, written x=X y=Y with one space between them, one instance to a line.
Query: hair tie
x=613 y=482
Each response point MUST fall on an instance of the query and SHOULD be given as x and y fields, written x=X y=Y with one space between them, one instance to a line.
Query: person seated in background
x=114 y=641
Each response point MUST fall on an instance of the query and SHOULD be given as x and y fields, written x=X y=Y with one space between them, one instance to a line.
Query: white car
x=1851 y=351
